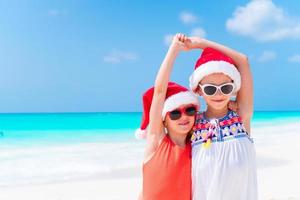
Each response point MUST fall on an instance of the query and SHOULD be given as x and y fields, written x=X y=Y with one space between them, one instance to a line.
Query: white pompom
x=140 y=134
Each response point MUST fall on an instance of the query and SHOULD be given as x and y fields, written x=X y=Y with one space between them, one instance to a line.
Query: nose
x=218 y=92
x=185 y=117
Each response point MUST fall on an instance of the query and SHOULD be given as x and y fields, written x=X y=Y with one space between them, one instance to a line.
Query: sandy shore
x=84 y=190
x=278 y=163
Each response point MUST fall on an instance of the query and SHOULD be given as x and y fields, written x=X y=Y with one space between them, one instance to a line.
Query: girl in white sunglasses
x=223 y=155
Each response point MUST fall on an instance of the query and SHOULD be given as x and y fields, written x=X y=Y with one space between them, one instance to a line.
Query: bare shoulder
x=153 y=142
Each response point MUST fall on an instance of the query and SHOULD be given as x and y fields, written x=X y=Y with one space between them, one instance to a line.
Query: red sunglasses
x=177 y=113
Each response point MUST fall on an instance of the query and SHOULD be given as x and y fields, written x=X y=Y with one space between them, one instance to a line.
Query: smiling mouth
x=184 y=123
x=218 y=101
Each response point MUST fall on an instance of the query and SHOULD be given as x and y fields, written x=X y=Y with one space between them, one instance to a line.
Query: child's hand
x=180 y=42
x=195 y=43
x=232 y=105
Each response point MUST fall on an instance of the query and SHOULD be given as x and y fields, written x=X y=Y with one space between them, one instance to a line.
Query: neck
x=216 y=113
x=178 y=139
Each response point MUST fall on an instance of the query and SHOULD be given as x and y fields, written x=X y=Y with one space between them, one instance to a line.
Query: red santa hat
x=176 y=96
x=212 y=61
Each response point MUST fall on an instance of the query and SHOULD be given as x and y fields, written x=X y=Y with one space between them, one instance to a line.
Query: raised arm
x=245 y=94
x=155 y=131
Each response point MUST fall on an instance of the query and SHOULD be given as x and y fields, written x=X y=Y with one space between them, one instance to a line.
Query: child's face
x=184 y=124
x=219 y=100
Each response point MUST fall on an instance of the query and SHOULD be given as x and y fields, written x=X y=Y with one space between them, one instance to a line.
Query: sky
x=100 y=56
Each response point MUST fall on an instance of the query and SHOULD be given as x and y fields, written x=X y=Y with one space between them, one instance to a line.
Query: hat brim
x=215 y=67
x=179 y=99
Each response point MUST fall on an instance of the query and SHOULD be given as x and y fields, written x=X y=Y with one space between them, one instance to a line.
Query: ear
x=165 y=123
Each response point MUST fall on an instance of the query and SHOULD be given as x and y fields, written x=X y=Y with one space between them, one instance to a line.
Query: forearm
x=239 y=59
x=160 y=90
x=164 y=73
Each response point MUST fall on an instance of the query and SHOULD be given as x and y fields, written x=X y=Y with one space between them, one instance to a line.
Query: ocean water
x=45 y=148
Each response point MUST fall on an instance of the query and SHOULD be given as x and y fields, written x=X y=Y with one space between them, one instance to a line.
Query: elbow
x=244 y=58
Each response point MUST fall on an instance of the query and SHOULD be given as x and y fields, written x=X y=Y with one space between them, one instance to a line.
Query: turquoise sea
x=103 y=125
x=43 y=148
x=66 y=127
x=91 y=127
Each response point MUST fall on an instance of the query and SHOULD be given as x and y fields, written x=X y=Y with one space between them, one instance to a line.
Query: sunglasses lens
x=210 y=90
x=227 y=89
x=190 y=111
x=175 y=114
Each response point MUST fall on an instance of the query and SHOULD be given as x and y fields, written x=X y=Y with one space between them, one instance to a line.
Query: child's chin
x=184 y=130
x=218 y=106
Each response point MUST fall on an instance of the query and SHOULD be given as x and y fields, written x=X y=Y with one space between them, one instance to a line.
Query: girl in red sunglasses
x=168 y=118
x=223 y=155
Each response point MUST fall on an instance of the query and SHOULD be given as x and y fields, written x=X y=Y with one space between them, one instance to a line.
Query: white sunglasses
x=211 y=90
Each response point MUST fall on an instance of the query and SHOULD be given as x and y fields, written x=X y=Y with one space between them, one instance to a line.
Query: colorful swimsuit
x=223 y=160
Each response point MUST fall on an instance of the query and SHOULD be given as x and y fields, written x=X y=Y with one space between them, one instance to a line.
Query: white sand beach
x=278 y=163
